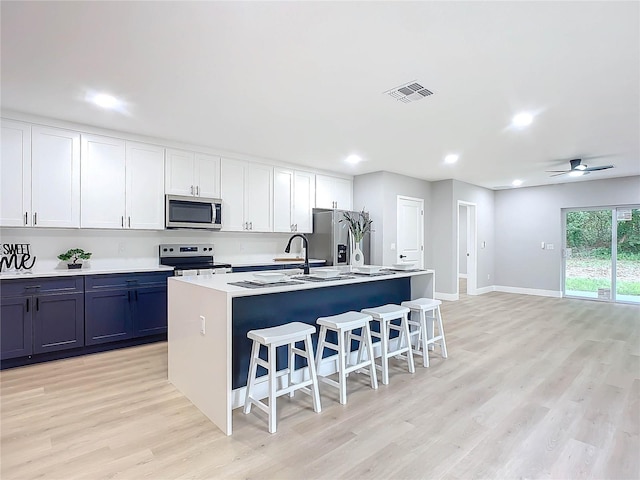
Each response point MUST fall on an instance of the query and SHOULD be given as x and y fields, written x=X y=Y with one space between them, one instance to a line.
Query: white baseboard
x=450 y=297
x=462 y=275
x=483 y=290
x=528 y=291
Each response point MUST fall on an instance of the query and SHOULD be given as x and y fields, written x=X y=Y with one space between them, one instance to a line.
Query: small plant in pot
x=74 y=257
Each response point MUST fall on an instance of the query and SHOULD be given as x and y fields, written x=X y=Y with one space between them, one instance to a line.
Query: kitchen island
x=209 y=317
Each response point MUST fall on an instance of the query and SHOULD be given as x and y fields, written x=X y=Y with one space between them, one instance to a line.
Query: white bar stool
x=344 y=325
x=272 y=338
x=385 y=314
x=425 y=326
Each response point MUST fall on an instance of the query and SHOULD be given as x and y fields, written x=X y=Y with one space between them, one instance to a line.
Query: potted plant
x=74 y=254
x=359 y=225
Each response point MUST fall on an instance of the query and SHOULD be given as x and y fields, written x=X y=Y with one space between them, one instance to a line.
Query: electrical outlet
x=549 y=246
x=202 y=325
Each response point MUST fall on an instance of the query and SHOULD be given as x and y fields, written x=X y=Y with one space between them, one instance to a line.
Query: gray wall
x=444 y=236
x=378 y=192
x=524 y=217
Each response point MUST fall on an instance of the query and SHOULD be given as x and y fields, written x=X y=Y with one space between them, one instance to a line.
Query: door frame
x=420 y=228
x=472 y=246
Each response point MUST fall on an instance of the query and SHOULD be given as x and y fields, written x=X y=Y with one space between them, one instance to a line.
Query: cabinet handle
x=250 y=225
x=26 y=217
x=122 y=221
x=37 y=304
x=296 y=227
x=35 y=218
x=197 y=190
x=136 y=295
x=27 y=305
x=129 y=220
x=129 y=296
x=191 y=189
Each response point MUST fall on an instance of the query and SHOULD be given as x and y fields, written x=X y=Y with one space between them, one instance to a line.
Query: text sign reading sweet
x=17 y=256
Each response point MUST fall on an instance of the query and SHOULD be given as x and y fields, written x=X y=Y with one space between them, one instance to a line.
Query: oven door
x=193 y=212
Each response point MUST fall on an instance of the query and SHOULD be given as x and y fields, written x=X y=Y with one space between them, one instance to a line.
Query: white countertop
x=89 y=268
x=220 y=282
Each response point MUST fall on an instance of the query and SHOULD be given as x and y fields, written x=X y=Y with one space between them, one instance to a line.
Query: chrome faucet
x=305 y=243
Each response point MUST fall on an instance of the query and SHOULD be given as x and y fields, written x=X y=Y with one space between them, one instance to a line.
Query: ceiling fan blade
x=595 y=169
x=558 y=174
x=557 y=171
x=575 y=163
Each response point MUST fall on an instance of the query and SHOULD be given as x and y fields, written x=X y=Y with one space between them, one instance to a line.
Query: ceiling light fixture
x=516 y=183
x=451 y=158
x=576 y=173
x=522 y=120
x=353 y=159
x=105 y=101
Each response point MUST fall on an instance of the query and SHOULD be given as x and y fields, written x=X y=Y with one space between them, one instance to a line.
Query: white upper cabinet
x=55 y=177
x=334 y=192
x=103 y=182
x=293 y=200
x=145 y=186
x=122 y=184
x=15 y=174
x=247 y=193
x=192 y=174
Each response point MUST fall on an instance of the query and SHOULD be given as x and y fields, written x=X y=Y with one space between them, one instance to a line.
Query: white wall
x=525 y=217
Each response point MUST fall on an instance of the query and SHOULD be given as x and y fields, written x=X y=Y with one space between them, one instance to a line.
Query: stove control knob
x=171 y=249
x=164 y=249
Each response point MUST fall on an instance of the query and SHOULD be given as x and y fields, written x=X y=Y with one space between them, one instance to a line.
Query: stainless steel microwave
x=193 y=212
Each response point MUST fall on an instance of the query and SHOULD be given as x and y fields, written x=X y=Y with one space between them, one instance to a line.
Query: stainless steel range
x=191 y=259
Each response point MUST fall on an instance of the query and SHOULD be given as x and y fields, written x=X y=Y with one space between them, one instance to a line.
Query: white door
x=410 y=231
x=232 y=180
x=179 y=174
x=55 y=177
x=467 y=246
x=303 y=201
x=207 y=175
x=283 y=200
x=15 y=174
x=259 y=197
x=145 y=186
x=103 y=182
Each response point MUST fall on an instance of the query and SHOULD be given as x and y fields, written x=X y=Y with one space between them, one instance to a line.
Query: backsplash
x=140 y=246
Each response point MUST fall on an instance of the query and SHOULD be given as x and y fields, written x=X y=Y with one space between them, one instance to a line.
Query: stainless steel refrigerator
x=330 y=238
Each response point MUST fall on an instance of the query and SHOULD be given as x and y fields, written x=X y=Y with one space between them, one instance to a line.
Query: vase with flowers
x=359 y=225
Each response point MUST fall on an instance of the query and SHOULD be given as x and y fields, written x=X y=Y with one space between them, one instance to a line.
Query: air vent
x=409 y=92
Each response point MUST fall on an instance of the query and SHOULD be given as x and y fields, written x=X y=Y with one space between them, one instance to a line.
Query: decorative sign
x=16 y=256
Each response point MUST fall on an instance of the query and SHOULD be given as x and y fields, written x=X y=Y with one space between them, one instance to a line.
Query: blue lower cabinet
x=16 y=338
x=108 y=316
x=58 y=322
x=150 y=311
x=257 y=268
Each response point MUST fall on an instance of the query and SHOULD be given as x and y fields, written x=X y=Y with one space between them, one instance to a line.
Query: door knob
x=403 y=256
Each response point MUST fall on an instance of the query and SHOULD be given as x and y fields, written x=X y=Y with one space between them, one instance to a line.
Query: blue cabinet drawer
x=126 y=280
x=42 y=286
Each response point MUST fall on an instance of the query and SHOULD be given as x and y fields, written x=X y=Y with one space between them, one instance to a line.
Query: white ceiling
x=303 y=82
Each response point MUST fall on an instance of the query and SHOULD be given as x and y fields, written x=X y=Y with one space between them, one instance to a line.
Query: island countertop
x=224 y=282
x=208 y=321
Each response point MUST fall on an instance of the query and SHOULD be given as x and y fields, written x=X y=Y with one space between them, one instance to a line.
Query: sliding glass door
x=602 y=254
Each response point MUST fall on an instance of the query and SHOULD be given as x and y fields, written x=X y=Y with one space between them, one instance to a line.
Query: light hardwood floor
x=533 y=388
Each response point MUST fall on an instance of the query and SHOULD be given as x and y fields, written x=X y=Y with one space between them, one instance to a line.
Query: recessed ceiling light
x=105 y=100
x=451 y=158
x=353 y=159
x=516 y=183
x=521 y=120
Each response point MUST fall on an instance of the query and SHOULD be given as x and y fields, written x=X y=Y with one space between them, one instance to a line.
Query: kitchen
x=132 y=422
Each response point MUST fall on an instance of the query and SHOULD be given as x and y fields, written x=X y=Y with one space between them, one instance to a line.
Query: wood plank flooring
x=533 y=388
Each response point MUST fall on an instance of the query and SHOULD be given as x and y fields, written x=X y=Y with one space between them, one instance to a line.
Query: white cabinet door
x=283 y=200
x=55 y=177
x=145 y=186
x=232 y=180
x=259 y=197
x=343 y=193
x=179 y=174
x=15 y=174
x=333 y=192
x=207 y=175
x=103 y=182
x=303 y=201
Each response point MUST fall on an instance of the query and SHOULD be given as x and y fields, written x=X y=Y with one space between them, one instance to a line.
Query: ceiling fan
x=578 y=168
